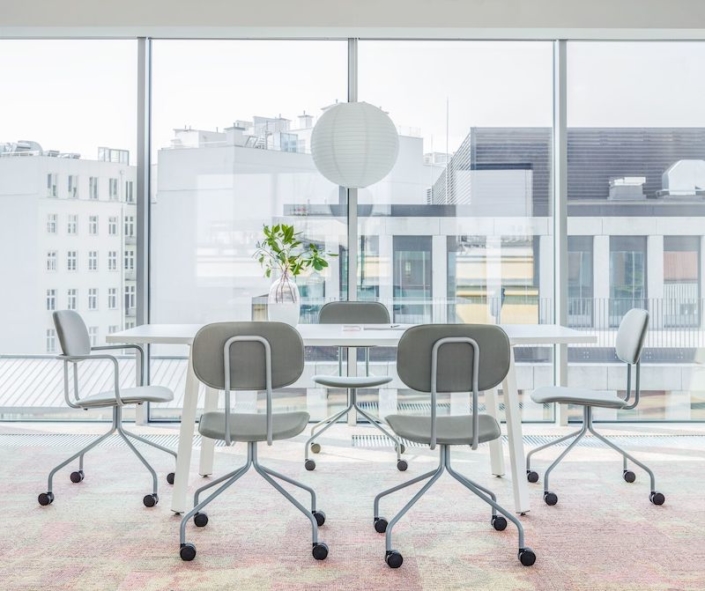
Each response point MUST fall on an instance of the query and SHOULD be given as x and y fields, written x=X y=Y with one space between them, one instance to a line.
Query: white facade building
x=67 y=238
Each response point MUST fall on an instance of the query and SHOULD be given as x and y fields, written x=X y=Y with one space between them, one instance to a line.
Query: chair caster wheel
x=320 y=517
x=532 y=476
x=629 y=476
x=527 y=556
x=46 y=499
x=200 y=519
x=150 y=500
x=310 y=465
x=170 y=477
x=316 y=448
x=187 y=552
x=381 y=525
x=393 y=559
x=499 y=522
x=550 y=498
x=320 y=551
x=656 y=498
x=76 y=477
x=402 y=465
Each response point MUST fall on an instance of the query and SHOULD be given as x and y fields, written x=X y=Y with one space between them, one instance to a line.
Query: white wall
x=484 y=18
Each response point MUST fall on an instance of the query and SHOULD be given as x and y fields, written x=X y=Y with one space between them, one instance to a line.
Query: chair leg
x=188 y=551
x=200 y=491
x=147 y=442
x=309 y=514
x=550 y=444
x=293 y=483
x=374 y=422
x=489 y=497
x=656 y=497
x=555 y=463
x=143 y=460
x=394 y=489
x=330 y=422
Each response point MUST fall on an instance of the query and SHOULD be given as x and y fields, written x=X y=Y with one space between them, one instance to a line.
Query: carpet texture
x=604 y=534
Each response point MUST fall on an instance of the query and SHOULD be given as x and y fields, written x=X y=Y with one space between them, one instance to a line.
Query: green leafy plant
x=282 y=250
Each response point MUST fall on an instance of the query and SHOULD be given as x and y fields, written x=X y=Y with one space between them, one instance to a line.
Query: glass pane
x=67 y=117
x=231 y=126
x=635 y=206
x=460 y=230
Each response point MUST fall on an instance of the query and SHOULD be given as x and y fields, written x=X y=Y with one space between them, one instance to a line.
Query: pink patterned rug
x=603 y=535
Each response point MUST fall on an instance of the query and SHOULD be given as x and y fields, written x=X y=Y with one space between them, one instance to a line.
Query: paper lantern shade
x=354 y=144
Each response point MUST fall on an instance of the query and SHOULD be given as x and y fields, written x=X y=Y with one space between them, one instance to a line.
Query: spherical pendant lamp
x=354 y=144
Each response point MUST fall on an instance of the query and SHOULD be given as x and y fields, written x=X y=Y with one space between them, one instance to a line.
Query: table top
x=345 y=335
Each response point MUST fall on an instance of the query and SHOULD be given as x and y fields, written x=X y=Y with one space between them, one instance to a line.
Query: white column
x=386 y=270
x=333 y=275
x=439 y=279
x=601 y=280
x=654 y=279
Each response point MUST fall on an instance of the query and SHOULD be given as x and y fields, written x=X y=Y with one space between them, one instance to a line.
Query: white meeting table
x=321 y=335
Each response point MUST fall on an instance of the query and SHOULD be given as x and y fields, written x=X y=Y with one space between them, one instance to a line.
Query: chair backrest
x=72 y=332
x=247 y=359
x=354 y=313
x=631 y=335
x=455 y=360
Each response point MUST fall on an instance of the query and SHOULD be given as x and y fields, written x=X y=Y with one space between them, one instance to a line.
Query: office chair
x=75 y=348
x=437 y=358
x=351 y=313
x=630 y=342
x=233 y=356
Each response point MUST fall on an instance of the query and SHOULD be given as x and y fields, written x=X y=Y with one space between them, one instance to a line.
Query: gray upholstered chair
x=233 y=356
x=351 y=313
x=75 y=348
x=630 y=342
x=437 y=358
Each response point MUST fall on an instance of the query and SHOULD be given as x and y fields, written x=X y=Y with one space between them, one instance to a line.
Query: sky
x=75 y=96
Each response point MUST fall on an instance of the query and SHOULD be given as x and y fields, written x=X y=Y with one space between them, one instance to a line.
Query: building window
x=627 y=276
x=72 y=227
x=93 y=335
x=93 y=260
x=681 y=281
x=73 y=186
x=112 y=225
x=129 y=192
x=51 y=260
x=112 y=298
x=51 y=340
x=129 y=324
x=93 y=187
x=129 y=297
x=129 y=226
x=72 y=299
x=52 y=223
x=112 y=260
x=51 y=299
x=129 y=260
x=113 y=189
x=92 y=298
x=113 y=328
x=71 y=260
x=93 y=225
x=580 y=281
x=52 y=184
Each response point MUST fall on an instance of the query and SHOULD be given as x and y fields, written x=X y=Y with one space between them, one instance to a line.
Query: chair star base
x=317 y=518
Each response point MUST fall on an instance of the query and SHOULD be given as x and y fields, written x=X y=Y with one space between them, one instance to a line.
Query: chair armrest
x=116 y=370
x=138 y=348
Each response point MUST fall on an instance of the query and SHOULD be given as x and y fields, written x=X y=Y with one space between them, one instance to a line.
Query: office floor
x=603 y=534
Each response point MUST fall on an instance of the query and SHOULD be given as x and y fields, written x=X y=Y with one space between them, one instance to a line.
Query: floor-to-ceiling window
x=636 y=172
x=67 y=167
x=231 y=132
x=461 y=227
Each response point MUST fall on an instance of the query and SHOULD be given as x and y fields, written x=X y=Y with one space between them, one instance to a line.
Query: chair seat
x=453 y=430
x=351 y=382
x=253 y=427
x=583 y=397
x=128 y=396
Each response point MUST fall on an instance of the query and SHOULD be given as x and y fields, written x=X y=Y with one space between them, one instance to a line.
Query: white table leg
x=516 y=443
x=352 y=372
x=207 y=444
x=183 y=463
x=496 y=452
